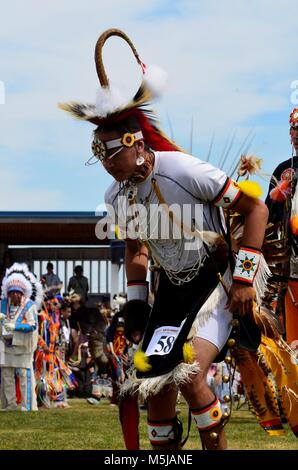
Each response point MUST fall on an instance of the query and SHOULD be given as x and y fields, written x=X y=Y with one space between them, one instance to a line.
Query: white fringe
x=212 y=302
x=181 y=374
x=261 y=278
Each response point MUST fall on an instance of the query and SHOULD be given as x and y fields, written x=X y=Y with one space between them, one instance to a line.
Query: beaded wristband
x=247 y=263
x=137 y=290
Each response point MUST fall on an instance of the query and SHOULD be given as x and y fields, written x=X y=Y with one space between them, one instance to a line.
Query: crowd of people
x=73 y=350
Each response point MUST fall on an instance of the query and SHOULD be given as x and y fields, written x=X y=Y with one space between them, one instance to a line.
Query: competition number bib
x=162 y=340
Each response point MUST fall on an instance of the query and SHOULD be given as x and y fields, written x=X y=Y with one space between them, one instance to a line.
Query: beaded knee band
x=164 y=432
x=208 y=417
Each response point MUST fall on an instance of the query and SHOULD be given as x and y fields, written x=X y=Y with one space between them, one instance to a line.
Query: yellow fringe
x=141 y=361
x=276 y=432
x=188 y=353
x=118 y=233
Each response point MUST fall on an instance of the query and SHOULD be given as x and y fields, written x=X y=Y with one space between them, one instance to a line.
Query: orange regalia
x=53 y=377
x=270 y=373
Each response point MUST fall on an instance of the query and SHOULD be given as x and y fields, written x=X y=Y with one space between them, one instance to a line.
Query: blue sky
x=230 y=67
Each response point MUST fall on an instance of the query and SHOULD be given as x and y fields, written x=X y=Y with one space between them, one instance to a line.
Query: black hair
x=64 y=305
x=128 y=124
x=78 y=268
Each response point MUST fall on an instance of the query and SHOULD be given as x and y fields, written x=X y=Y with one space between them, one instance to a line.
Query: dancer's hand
x=136 y=314
x=2 y=316
x=241 y=299
x=9 y=326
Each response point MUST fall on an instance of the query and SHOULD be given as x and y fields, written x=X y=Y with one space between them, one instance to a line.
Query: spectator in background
x=51 y=281
x=66 y=331
x=79 y=283
x=79 y=322
x=79 y=312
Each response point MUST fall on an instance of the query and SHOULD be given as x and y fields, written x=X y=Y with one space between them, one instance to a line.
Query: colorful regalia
x=270 y=372
x=53 y=376
x=282 y=201
x=21 y=295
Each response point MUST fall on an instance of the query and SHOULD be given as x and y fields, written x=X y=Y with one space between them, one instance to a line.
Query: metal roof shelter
x=50 y=228
x=36 y=237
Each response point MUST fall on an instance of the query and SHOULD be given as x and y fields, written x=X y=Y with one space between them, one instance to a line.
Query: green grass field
x=85 y=426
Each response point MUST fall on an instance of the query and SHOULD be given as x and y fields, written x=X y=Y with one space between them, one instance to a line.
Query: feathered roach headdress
x=111 y=108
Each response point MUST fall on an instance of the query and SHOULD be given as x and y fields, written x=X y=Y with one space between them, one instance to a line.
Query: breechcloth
x=175 y=304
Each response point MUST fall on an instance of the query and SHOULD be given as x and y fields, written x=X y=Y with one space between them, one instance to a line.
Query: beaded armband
x=247 y=263
x=137 y=290
x=229 y=194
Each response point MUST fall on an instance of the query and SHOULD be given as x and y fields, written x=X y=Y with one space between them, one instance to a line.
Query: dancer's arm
x=136 y=261
x=256 y=217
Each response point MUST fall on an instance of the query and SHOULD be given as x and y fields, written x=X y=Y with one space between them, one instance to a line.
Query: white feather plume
x=109 y=100
x=38 y=292
x=155 y=79
x=20 y=267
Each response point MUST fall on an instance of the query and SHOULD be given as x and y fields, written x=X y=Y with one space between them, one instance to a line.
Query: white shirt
x=187 y=182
